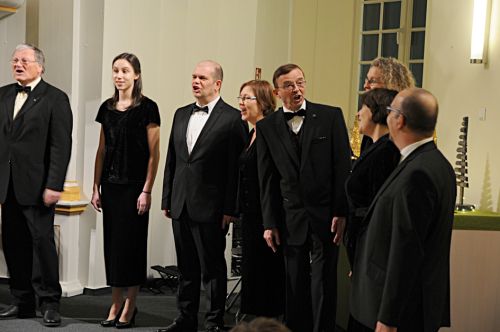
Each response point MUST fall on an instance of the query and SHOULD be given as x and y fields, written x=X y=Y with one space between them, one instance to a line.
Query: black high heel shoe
x=130 y=323
x=112 y=322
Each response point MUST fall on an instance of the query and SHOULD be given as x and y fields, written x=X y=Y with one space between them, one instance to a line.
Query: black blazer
x=368 y=174
x=204 y=181
x=36 y=146
x=311 y=188
x=401 y=269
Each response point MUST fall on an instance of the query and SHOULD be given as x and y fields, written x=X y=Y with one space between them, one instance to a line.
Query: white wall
x=12 y=32
x=463 y=88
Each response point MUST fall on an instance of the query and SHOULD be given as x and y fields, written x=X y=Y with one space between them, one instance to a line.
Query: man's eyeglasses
x=245 y=98
x=390 y=109
x=23 y=61
x=291 y=85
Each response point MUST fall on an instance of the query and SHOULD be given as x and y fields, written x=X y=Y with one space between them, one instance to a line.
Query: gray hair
x=39 y=57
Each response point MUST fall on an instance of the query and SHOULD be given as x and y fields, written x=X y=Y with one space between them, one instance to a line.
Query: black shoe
x=51 y=318
x=175 y=327
x=130 y=323
x=14 y=311
x=112 y=322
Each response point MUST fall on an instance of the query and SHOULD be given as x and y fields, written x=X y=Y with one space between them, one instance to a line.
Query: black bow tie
x=290 y=115
x=20 y=88
x=197 y=108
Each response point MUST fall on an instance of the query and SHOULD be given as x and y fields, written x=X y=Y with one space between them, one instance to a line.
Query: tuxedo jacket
x=401 y=269
x=205 y=181
x=306 y=190
x=35 y=147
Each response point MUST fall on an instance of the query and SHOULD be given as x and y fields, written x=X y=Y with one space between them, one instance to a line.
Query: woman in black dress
x=369 y=171
x=263 y=278
x=125 y=169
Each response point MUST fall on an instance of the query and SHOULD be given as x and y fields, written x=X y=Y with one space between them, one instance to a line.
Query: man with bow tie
x=199 y=195
x=35 y=130
x=303 y=161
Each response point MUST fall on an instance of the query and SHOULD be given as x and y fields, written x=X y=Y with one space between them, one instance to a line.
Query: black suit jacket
x=310 y=188
x=401 y=269
x=35 y=146
x=204 y=181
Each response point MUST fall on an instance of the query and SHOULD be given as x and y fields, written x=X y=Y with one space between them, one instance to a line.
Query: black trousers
x=30 y=253
x=200 y=258
x=311 y=285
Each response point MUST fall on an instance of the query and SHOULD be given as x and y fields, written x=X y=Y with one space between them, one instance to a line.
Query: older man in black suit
x=401 y=276
x=303 y=161
x=199 y=194
x=35 y=131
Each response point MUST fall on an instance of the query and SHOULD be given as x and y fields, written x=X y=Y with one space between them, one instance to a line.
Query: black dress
x=263 y=271
x=123 y=177
x=368 y=174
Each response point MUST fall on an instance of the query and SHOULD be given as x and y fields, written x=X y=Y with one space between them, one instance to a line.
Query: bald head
x=215 y=66
x=420 y=109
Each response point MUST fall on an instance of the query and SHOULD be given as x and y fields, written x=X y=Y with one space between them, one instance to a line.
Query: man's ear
x=275 y=91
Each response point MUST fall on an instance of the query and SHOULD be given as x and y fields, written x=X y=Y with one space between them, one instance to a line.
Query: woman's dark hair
x=377 y=101
x=264 y=93
x=137 y=89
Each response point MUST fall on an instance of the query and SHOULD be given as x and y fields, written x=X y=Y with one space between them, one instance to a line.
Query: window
x=392 y=28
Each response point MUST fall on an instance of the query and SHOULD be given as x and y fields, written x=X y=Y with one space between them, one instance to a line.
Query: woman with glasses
x=386 y=73
x=370 y=170
x=263 y=278
x=125 y=170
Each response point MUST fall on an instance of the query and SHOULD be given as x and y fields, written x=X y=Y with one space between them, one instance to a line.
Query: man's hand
x=50 y=197
x=338 y=226
x=381 y=327
x=272 y=237
x=226 y=220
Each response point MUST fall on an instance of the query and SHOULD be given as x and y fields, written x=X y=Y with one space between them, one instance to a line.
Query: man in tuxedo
x=303 y=161
x=35 y=131
x=401 y=276
x=199 y=194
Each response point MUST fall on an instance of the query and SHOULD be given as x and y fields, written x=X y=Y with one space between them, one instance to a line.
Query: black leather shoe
x=130 y=323
x=51 y=318
x=112 y=322
x=14 y=311
x=107 y=322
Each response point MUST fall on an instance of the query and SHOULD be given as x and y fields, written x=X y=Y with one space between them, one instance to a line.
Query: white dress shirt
x=23 y=96
x=197 y=122
x=296 y=122
x=405 y=152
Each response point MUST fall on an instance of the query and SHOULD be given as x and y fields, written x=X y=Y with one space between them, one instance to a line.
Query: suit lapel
x=284 y=131
x=33 y=98
x=212 y=119
x=184 y=120
x=308 y=131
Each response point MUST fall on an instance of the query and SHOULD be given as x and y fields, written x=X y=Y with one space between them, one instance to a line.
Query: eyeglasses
x=372 y=81
x=23 y=61
x=245 y=98
x=291 y=85
x=390 y=109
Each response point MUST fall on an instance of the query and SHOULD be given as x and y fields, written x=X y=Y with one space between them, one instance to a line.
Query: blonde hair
x=395 y=75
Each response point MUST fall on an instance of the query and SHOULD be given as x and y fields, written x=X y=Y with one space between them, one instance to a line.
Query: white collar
x=302 y=107
x=407 y=150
